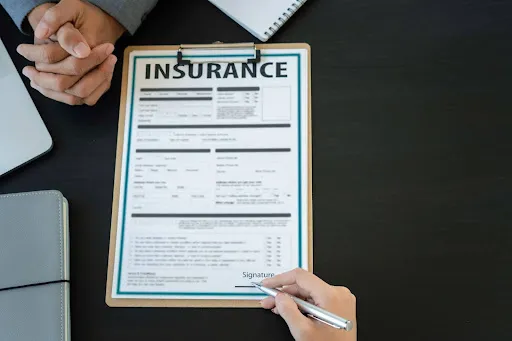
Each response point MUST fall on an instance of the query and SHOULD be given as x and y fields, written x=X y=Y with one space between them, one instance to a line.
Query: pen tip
x=256 y=284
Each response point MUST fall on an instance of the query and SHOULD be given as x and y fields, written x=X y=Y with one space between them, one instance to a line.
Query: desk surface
x=412 y=121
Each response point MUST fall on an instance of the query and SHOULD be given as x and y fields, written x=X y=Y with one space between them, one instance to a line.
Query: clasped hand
x=72 y=51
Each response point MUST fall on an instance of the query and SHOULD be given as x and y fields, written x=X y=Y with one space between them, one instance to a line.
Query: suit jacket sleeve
x=129 y=13
x=19 y=9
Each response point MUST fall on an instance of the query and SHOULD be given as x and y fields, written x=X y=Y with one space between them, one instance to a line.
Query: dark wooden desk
x=412 y=115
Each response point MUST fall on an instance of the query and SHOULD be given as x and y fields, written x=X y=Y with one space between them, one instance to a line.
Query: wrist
x=116 y=29
x=37 y=13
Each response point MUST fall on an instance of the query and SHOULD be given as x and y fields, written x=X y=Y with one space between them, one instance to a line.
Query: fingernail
x=82 y=50
x=110 y=49
x=112 y=61
x=24 y=72
x=41 y=30
x=18 y=49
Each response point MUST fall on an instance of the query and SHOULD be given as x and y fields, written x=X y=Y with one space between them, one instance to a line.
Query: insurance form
x=214 y=184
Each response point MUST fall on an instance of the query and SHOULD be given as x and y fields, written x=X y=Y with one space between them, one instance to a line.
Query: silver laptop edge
x=23 y=135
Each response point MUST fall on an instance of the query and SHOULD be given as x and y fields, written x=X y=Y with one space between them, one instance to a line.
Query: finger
x=40 y=41
x=275 y=311
x=50 y=81
x=297 y=291
x=78 y=67
x=268 y=303
x=44 y=53
x=310 y=284
x=296 y=321
x=96 y=95
x=90 y=82
x=55 y=17
x=73 y=41
x=58 y=96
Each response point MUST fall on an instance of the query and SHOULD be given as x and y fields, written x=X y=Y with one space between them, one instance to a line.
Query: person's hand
x=96 y=26
x=305 y=285
x=66 y=69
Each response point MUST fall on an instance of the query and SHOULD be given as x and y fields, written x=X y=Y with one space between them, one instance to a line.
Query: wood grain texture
x=412 y=174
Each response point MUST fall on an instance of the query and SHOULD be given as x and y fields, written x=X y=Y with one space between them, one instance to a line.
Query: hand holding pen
x=310 y=288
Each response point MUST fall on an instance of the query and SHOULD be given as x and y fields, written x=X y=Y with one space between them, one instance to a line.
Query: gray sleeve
x=129 y=13
x=19 y=9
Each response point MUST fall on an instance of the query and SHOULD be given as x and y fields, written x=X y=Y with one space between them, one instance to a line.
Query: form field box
x=276 y=104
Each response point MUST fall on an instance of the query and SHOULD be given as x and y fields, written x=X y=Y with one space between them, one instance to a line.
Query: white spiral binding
x=296 y=4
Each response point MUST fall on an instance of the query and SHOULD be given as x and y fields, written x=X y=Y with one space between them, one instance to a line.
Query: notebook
x=34 y=250
x=263 y=17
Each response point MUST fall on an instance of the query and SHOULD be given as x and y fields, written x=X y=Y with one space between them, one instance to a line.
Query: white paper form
x=214 y=180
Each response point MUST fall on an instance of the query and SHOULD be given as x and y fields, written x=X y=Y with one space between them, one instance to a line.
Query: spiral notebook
x=263 y=17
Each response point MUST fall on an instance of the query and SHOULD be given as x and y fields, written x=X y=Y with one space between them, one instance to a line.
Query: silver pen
x=311 y=310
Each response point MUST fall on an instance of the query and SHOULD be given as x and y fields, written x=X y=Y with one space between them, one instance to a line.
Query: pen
x=311 y=310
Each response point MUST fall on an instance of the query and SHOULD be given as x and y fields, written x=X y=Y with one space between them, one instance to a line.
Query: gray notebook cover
x=34 y=249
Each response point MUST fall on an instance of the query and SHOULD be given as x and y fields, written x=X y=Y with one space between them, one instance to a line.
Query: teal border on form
x=299 y=98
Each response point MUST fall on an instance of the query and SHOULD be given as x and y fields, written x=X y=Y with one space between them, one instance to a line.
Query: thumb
x=299 y=324
x=71 y=40
x=55 y=17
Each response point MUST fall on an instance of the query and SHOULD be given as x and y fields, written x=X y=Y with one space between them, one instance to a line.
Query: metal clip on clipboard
x=256 y=58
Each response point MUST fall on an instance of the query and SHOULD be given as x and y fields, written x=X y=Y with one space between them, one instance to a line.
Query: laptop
x=23 y=135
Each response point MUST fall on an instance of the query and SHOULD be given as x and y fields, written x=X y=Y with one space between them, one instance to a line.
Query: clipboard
x=194 y=303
